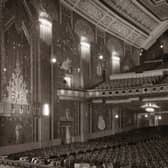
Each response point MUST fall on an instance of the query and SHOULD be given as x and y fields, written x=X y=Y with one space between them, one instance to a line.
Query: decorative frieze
x=107 y=20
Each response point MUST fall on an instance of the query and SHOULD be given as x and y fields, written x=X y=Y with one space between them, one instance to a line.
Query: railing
x=128 y=92
x=70 y=94
x=4 y=163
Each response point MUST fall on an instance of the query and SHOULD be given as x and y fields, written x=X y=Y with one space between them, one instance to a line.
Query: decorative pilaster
x=2 y=49
x=84 y=123
x=35 y=52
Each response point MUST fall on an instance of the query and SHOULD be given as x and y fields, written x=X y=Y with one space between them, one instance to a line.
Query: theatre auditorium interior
x=83 y=83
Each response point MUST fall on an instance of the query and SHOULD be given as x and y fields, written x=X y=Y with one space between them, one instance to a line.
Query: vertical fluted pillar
x=2 y=49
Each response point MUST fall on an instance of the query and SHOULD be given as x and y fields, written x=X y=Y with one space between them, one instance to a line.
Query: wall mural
x=17 y=90
x=16 y=126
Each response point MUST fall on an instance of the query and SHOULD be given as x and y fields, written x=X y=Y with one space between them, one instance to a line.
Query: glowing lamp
x=4 y=69
x=146 y=115
x=46 y=110
x=116 y=116
x=101 y=57
x=159 y=117
x=149 y=109
x=161 y=46
x=53 y=60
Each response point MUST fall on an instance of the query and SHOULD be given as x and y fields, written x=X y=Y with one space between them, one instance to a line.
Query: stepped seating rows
x=129 y=83
x=139 y=148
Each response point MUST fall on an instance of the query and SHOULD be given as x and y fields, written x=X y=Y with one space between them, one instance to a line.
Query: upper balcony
x=154 y=82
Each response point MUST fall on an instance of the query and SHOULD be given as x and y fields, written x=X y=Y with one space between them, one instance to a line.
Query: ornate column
x=2 y=49
x=35 y=51
x=84 y=123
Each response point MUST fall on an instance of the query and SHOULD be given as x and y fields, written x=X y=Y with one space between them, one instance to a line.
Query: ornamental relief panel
x=105 y=19
x=158 y=2
x=134 y=13
x=91 y=9
x=16 y=89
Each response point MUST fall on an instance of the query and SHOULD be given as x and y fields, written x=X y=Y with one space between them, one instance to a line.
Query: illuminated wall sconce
x=46 y=110
x=84 y=42
x=159 y=117
x=141 y=51
x=161 y=45
x=100 y=57
x=44 y=21
x=4 y=69
x=146 y=115
x=53 y=60
x=45 y=27
x=116 y=116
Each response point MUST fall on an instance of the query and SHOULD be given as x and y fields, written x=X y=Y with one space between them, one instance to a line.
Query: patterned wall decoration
x=17 y=91
x=135 y=14
x=17 y=49
x=107 y=20
x=82 y=28
x=157 y=7
x=16 y=84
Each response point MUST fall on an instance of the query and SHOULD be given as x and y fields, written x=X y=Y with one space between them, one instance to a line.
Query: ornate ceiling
x=157 y=7
x=138 y=22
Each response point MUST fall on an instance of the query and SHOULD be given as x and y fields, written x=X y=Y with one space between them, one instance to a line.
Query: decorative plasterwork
x=131 y=11
x=158 y=2
x=126 y=19
x=157 y=7
x=101 y=16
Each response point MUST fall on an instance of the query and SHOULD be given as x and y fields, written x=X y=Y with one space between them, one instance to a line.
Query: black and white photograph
x=83 y=83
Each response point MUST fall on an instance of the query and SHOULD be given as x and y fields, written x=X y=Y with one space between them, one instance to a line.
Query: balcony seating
x=130 y=83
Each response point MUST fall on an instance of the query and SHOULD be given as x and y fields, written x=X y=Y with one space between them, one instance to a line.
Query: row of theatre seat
x=136 y=149
x=130 y=82
x=132 y=79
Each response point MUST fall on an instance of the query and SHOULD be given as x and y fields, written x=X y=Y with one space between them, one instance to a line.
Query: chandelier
x=150 y=107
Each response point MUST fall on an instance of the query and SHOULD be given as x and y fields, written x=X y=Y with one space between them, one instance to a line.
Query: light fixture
x=4 y=69
x=116 y=116
x=84 y=42
x=78 y=70
x=146 y=115
x=53 y=60
x=46 y=110
x=101 y=57
x=44 y=21
x=141 y=50
x=150 y=107
x=161 y=45
x=45 y=27
x=159 y=117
